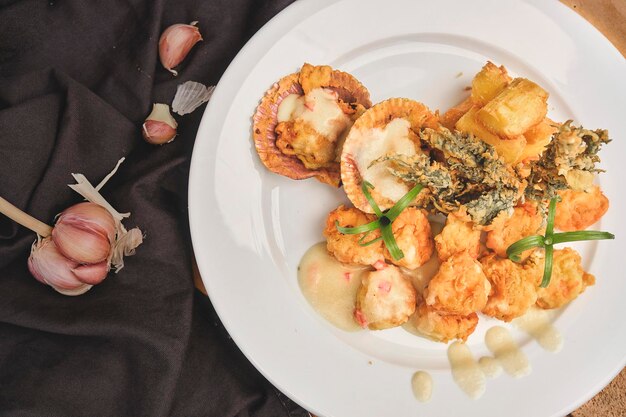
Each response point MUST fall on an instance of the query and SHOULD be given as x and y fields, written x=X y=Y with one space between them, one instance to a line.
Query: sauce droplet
x=465 y=370
x=536 y=322
x=490 y=366
x=422 y=384
x=501 y=344
x=329 y=286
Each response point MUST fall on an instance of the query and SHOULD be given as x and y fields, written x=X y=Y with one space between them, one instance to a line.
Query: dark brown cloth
x=77 y=80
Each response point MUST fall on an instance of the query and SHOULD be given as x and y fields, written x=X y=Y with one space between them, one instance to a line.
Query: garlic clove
x=93 y=273
x=160 y=126
x=50 y=267
x=176 y=42
x=84 y=233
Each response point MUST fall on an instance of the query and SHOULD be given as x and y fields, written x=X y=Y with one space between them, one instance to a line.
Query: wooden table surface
x=609 y=17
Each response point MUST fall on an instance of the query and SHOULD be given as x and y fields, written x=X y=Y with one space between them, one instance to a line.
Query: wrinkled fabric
x=77 y=80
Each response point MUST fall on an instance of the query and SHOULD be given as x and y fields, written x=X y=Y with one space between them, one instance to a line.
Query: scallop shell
x=265 y=119
x=189 y=96
x=379 y=116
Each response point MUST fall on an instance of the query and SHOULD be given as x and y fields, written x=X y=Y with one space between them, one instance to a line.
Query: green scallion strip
x=515 y=250
x=391 y=243
x=358 y=229
x=580 y=235
x=547 y=269
x=365 y=186
x=404 y=202
x=551 y=214
x=369 y=242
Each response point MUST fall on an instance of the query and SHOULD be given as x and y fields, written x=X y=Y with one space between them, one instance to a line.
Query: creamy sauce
x=536 y=322
x=490 y=366
x=422 y=384
x=390 y=140
x=319 y=108
x=500 y=342
x=465 y=370
x=330 y=287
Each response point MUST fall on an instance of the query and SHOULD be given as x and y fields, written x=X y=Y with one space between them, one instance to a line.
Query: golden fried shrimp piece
x=442 y=327
x=513 y=288
x=414 y=237
x=385 y=299
x=567 y=282
x=525 y=221
x=578 y=210
x=346 y=248
x=458 y=235
x=459 y=287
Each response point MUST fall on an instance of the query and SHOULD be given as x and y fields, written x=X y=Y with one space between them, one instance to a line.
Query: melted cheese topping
x=536 y=322
x=287 y=107
x=376 y=143
x=319 y=108
x=422 y=384
x=501 y=344
x=330 y=287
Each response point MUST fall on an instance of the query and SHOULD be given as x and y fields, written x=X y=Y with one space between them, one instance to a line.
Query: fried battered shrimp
x=457 y=236
x=346 y=248
x=385 y=299
x=513 y=288
x=578 y=210
x=442 y=327
x=525 y=221
x=567 y=282
x=413 y=235
x=459 y=287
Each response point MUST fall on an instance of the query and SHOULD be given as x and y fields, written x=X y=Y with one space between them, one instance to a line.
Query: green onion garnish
x=549 y=240
x=383 y=222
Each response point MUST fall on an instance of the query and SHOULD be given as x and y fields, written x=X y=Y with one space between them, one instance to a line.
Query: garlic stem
x=24 y=219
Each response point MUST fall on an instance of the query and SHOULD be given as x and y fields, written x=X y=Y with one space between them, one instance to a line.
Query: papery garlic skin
x=159 y=127
x=84 y=233
x=67 y=277
x=176 y=42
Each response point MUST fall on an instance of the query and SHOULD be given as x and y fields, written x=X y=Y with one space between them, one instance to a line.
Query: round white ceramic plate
x=250 y=227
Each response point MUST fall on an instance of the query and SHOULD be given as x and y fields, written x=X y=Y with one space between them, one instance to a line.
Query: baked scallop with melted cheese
x=301 y=122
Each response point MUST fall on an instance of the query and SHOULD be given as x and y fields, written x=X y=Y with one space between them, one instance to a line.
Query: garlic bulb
x=87 y=240
x=176 y=42
x=160 y=126
x=84 y=233
x=66 y=276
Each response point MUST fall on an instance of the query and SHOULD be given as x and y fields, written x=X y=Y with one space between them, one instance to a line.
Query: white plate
x=250 y=227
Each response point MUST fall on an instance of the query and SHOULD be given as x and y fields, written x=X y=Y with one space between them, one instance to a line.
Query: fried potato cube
x=449 y=118
x=537 y=138
x=490 y=81
x=385 y=299
x=510 y=150
x=568 y=280
x=521 y=105
x=578 y=210
x=459 y=287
